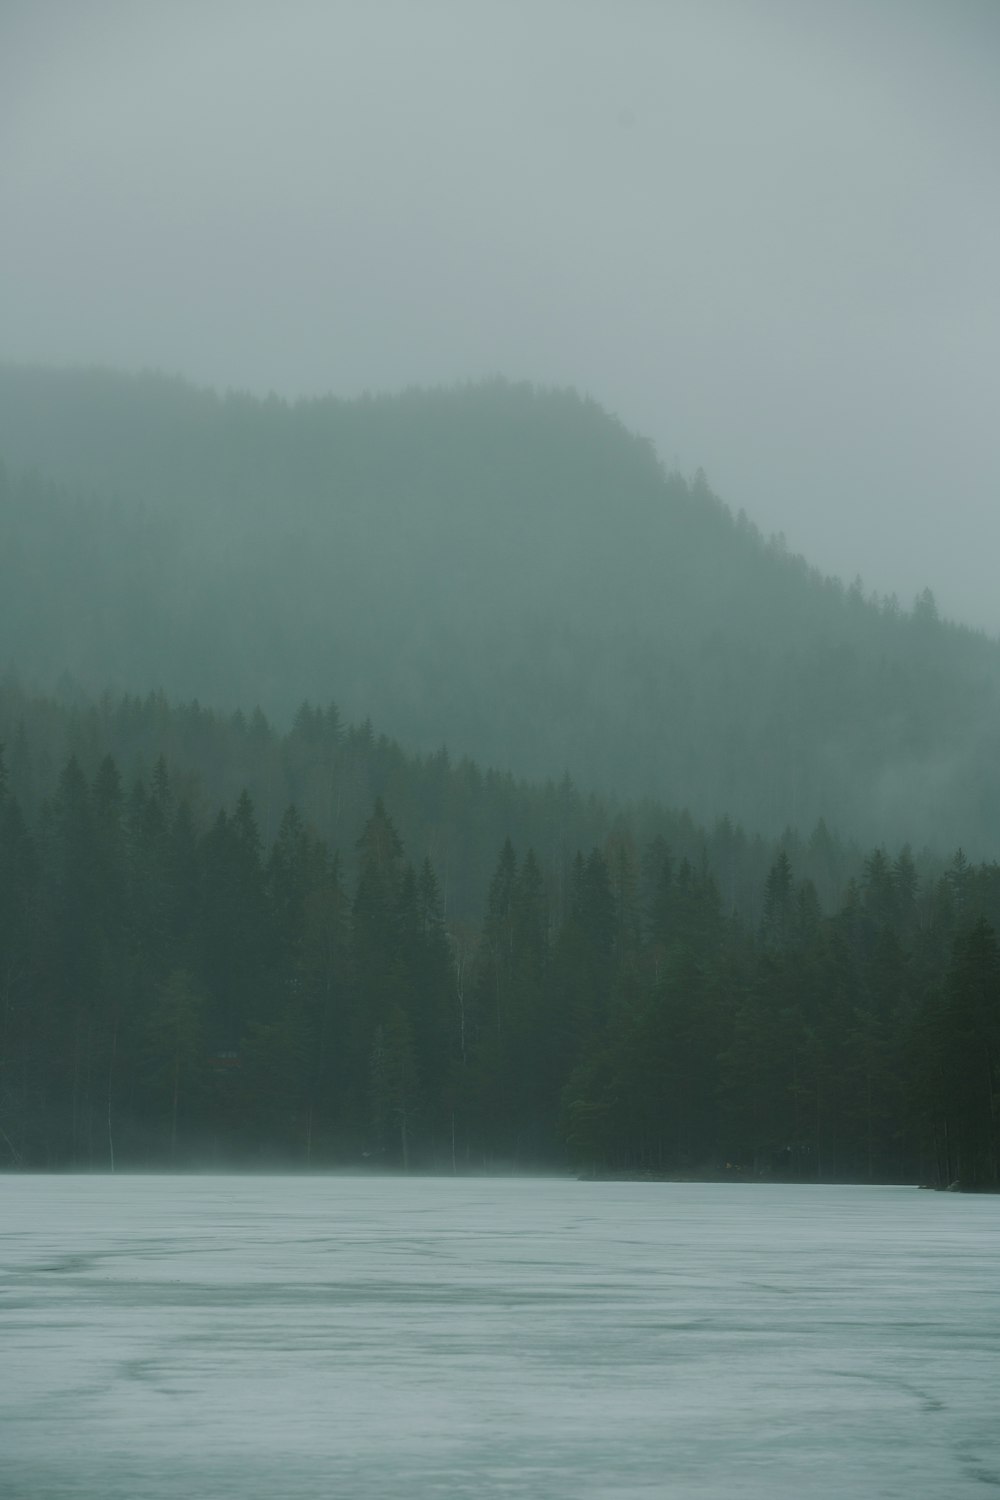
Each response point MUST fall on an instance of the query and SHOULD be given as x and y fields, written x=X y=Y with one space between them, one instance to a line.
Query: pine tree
x=177 y=1049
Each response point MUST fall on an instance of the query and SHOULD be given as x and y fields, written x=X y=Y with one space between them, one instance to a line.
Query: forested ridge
x=178 y=988
x=499 y=568
x=700 y=917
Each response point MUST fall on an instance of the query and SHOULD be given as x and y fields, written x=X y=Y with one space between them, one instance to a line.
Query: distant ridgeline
x=504 y=569
x=432 y=966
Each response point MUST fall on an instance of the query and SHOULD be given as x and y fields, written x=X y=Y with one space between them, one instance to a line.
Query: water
x=317 y=1337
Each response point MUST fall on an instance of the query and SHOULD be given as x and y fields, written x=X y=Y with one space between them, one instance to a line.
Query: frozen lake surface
x=354 y=1337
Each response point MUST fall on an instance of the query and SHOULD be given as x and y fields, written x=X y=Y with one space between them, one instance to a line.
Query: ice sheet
x=288 y=1337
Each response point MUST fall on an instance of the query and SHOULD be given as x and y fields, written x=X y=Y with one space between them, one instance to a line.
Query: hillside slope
x=506 y=570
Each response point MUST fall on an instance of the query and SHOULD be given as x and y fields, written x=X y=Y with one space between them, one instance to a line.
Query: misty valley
x=499 y=923
x=703 y=884
x=489 y=946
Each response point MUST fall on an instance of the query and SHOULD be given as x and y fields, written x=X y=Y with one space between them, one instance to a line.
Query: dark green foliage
x=185 y=757
x=504 y=568
x=176 y=986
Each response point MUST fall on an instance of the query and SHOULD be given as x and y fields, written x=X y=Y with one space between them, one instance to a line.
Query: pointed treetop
x=380 y=846
x=244 y=822
x=161 y=788
x=108 y=788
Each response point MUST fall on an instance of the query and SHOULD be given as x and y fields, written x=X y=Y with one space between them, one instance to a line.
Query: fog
x=472 y=481
x=765 y=234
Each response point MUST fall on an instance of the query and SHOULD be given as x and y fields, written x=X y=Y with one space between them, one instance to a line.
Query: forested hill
x=185 y=980
x=455 y=814
x=504 y=570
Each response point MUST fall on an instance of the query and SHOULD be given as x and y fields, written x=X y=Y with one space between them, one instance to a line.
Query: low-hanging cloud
x=765 y=233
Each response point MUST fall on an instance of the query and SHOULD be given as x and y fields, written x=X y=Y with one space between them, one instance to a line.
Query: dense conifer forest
x=599 y=992
x=501 y=569
x=238 y=928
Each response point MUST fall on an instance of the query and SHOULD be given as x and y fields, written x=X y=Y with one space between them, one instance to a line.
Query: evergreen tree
x=394 y=1082
x=177 y=1051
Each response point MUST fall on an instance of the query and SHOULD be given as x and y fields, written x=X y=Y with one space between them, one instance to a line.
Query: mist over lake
x=499 y=693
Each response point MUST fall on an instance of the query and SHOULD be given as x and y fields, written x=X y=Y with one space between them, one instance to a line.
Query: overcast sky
x=766 y=232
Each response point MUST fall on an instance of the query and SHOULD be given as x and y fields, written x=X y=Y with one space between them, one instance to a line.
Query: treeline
x=499 y=567
x=174 y=990
x=453 y=812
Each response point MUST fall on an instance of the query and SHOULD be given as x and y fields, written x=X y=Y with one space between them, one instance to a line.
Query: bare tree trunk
x=819 y=1146
x=75 y=1098
x=111 y=1074
x=992 y=1138
x=15 y=1154
x=173 y=1110
x=460 y=993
